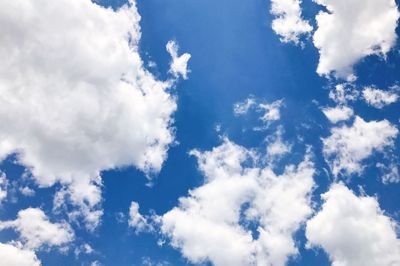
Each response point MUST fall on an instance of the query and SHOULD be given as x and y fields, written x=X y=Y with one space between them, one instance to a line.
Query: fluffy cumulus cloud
x=12 y=255
x=348 y=146
x=75 y=98
x=243 y=214
x=288 y=23
x=353 y=230
x=37 y=231
x=366 y=27
x=379 y=98
x=338 y=113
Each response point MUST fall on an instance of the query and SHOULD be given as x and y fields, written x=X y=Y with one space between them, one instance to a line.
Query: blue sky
x=235 y=55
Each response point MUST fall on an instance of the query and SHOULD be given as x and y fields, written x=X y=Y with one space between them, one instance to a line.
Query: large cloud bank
x=214 y=222
x=75 y=98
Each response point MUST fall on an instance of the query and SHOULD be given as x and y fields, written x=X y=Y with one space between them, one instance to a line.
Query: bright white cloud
x=379 y=98
x=353 y=230
x=137 y=221
x=271 y=111
x=338 y=113
x=351 y=30
x=276 y=146
x=288 y=23
x=343 y=93
x=178 y=64
x=12 y=255
x=212 y=223
x=348 y=146
x=36 y=230
x=75 y=98
x=3 y=186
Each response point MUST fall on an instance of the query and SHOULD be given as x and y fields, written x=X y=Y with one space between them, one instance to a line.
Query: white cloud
x=271 y=111
x=379 y=98
x=27 y=191
x=147 y=261
x=36 y=230
x=11 y=255
x=351 y=30
x=343 y=93
x=241 y=108
x=276 y=146
x=136 y=220
x=338 y=113
x=353 y=230
x=391 y=173
x=85 y=249
x=3 y=186
x=75 y=98
x=212 y=223
x=95 y=263
x=178 y=64
x=347 y=147
x=392 y=176
x=288 y=22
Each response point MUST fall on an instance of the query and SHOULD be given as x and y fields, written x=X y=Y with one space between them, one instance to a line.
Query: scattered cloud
x=277 y=147
x=379 y=98
x=147 y=261
x=367 y=27
x=178 y=65
x=85 y=249
x=241 y=108
x=348 y=146
x=36 y=231
x=214 y=222
x=271 y=111
x=338 y=113
x=353 y=230
x=138 y=222
x=27 y=191
x=3 y=186
x=268 y=112
x=96 y=263
x=13 y=255
x=288 y=23
x=343 y=93
x=391 y=173
x=75 y=98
